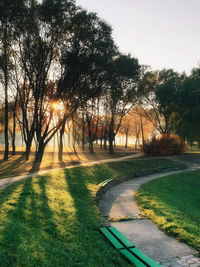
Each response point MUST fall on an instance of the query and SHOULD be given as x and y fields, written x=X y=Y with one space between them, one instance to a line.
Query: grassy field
x=53 y=220
x=173 y=203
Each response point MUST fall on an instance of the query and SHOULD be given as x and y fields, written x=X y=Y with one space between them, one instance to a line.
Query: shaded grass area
x=142 y=166
x=53 y=220
x=173 y=203
x=17 y=165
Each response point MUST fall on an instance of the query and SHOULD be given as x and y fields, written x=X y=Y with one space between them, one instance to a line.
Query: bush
x=165 y=145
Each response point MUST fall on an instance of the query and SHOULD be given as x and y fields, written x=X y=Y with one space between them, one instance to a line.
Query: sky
x=160 y=33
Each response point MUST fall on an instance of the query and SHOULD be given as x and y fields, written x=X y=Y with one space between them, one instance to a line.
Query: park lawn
x=173 y=203
x=53 y=220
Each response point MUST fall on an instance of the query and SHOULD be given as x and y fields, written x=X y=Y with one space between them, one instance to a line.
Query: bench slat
x=145 y=258
x=128 y=249
x=132 y=258
x=111 y=238
x=122 y=238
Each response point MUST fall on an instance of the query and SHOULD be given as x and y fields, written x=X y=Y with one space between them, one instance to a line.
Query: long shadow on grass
x=14 y=228
x=29 y=233
x=14 y=165
x=88 y=222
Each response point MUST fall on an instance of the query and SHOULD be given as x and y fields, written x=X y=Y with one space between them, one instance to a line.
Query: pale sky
x=160 y=33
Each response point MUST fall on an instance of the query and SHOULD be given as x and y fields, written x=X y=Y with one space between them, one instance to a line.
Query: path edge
x=109 y=183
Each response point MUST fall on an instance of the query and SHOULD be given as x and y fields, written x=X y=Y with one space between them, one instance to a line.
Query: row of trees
x=59 y=65
x=54 y=53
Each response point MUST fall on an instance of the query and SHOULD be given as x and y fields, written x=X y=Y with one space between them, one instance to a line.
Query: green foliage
x=84 y=59
x=188 y=114
x=159 y=93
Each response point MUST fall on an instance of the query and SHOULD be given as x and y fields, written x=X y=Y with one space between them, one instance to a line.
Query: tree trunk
x=142 y=130
x=13 y=134
x=111 y=149
x=105 y=143
x=83 y=132
x=126 y=142
x=101 y=138
x=60 y=148
x=28 y=149
x=40 y=152
x=5 y=44
x=91 y=146
x=74 y=136
x=111 y=136
x=14 y=128
x=101 y=143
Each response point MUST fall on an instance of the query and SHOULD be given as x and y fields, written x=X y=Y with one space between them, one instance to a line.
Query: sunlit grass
x=173 y=203
x=53 y=220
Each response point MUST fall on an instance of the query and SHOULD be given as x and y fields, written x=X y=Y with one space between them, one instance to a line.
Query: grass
x=53 y=220
x=173 y=203
x=17 y=165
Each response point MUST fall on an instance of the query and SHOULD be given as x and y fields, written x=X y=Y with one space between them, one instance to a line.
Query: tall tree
x=10 y=11
x=84 y=61
x=158 y=96
x=121 y=92
x=39 y=47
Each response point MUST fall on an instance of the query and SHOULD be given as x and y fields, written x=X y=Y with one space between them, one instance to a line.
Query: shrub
x=165 y=145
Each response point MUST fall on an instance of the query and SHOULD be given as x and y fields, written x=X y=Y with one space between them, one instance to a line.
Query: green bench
x=128 y=249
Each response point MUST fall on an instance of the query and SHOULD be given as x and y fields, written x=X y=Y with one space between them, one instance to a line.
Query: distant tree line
x=171 y=101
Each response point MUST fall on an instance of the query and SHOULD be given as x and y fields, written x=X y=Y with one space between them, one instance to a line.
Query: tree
x=10 y=11
x=92 y=119
x=84 y=61
x=121 y=92
x=188 y=111
x=158 y=97
x=126 y=127
x=39 y=47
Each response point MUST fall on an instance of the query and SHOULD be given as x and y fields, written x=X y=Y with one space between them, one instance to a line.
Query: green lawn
x=53 y=220
x=173 y=203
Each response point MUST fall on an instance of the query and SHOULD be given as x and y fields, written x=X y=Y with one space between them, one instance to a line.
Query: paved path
x=10 y=180
x=119 y=202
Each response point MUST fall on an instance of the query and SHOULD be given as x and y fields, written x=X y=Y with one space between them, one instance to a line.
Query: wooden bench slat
x=111 y=238
x=132 y=258
x=123 y=239
x=128 y=249
x=145 y=258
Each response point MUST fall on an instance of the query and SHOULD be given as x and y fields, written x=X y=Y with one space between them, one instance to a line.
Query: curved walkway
x=119 y=203
x=10 y=180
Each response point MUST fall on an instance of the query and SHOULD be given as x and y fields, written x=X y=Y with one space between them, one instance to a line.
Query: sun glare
x=58 y=106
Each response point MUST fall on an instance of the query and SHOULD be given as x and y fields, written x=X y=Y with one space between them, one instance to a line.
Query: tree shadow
x=35 y=231
x=12 y=166
x=35 y=166
x=30 y=236
x=88 y=220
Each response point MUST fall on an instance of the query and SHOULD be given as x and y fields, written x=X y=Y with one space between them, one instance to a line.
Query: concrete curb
x=109 y=183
